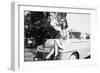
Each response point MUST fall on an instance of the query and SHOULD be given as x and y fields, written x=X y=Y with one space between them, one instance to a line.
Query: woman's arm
x=67 y=31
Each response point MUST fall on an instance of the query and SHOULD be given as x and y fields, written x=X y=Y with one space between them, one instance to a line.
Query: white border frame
x=17 y=60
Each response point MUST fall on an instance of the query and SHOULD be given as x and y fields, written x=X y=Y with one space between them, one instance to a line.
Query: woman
x=55 y=21
x=60 y=44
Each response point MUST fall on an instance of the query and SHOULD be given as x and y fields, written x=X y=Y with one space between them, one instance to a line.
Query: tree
x=37 y=26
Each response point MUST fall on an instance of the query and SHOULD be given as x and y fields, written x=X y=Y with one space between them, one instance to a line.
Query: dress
x=63 y=45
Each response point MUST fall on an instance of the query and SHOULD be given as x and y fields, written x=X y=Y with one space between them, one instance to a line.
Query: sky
x=79 y=22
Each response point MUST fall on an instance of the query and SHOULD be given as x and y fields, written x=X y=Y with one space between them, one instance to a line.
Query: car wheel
x=74 y=56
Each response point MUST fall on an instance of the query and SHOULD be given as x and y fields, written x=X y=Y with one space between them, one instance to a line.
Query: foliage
x=37 y=26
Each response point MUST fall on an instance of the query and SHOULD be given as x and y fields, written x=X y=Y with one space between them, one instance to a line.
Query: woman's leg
x=49 y=55
x=55 y=48
x=53 y=51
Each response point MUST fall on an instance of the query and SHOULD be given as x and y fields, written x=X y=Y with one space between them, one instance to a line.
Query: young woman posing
x=60 y=24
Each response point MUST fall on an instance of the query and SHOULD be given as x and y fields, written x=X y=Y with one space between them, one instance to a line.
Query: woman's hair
x=64 y=26
x=63 y=20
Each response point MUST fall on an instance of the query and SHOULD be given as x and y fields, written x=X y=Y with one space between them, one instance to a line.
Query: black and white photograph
x=50 y=36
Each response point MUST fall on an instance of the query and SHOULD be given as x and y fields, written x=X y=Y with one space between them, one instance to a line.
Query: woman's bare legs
x=54 y=50
x=49 y=55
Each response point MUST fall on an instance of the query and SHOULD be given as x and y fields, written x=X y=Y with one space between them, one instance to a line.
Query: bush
x=38 y=27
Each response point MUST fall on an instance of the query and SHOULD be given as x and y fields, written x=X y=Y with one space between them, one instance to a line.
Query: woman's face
x=57 y=20
x=52 y=16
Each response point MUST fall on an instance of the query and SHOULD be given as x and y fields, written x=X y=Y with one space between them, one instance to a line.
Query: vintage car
x=78 y=49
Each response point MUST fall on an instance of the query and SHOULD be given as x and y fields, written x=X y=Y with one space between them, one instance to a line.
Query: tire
x=74 y=56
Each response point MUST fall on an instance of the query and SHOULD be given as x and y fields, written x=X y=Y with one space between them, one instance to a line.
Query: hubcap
x=73 y=57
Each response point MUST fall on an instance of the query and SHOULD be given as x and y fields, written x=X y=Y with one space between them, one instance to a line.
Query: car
x=78 y=48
